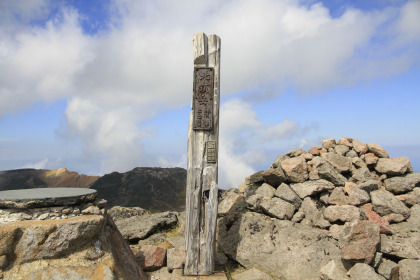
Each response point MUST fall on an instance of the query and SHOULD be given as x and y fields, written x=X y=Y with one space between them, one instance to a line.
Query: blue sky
x=102 y=86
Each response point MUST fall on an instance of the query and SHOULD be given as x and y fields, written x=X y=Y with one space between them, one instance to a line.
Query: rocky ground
x=344 y=210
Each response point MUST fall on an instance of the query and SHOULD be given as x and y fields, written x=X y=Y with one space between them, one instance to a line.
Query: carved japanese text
x=203 y=98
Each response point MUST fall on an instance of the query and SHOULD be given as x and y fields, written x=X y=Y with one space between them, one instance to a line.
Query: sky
x=101 y=86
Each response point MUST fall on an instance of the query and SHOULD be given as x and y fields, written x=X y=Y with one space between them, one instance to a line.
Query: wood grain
x=202 y=177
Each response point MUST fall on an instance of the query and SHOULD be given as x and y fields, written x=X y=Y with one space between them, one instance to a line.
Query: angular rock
x=358 y=197
x=295 y=169
x=351 y=154
x=228 y=203
x=286 y=193
x=252 y=274
x=151 y=257
x=326 y=171
x=91 y=210
x=255 y=178
x=309 y=188
x=371 y=159
x=119 y=212
x=388 y=269
x=335 y=231
x=359 y=240
x=341 y=163
x=412 y=198
x=341 y=149
x=358 y=162
x=278 y=208
x=349 y=187
x=274 y=176
x=289 y=251
x=362 y=271
x=295 y=153
x=402 y=184
x=393 y=166
x=385 y=203
x=315 y=151
x=382 y=222
x=344 y=213
x=347 y=141
x=139 y=227
x=405 y=241
x=409 y=269
x=328 y=143
x=278 y=160
x=363 y=174
x=359 y=147
x=266 y=191
x=394 y=218
x=312 y=214
x=377 y=260
x=3 y=262
x=175 y=258
x=253 y=202
x=368 y=186
x=377 y=150
x=338 y=197
x=331 y=271
x=248 y=189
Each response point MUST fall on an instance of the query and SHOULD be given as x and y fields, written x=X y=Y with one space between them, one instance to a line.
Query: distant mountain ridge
x=151 y=188
x=39 y=178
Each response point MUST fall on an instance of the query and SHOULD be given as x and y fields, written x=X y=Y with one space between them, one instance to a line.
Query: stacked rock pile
x=363 y=203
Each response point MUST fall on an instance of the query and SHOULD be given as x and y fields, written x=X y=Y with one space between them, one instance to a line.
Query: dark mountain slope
x=152 y=188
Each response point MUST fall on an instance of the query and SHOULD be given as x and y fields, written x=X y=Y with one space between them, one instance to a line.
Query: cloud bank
x=140 y=65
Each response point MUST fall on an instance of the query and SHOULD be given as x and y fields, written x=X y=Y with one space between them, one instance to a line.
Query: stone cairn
x=362 y=204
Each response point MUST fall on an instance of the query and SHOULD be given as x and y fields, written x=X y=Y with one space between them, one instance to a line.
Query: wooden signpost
x=202 y=161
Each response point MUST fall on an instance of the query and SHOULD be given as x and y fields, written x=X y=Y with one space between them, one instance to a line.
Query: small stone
x=344 y=213
x=341 y=149
x=382 y=222
x=330 y=271
x=359 y=147
x=298 y=216
x=175 y=258
x=266 y=191
x=371 y=159
x=359 y=240
x=274 y=176
x=335 y=231
x=358 y=197
x=228 y=203
x=252 y=274
x=151 y=257
x=409 y=269
x=323 y=197
x=388 y=269
x=3 y=261
x=363 y=174
x=338 y=197
x=349 y=187
x=91 y=210
x=312 y=214
x=351 y=154
x=385 y=203
x=393 y=166
x=358 y=162
x=315 y=151
x=328 y=143
x=309 y=188
x=255 y=178
x=341 y=163
x=394 y=218
x=362 y=271
x=43 y=216
x=370 y=185
x=377 y=260
x=346 y=141
x=402 y=184
x=377 y=150
x=278 y=208
x=286 y=193
x=295 y=169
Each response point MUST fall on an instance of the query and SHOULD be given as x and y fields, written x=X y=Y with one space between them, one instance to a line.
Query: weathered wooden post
x=202 y=162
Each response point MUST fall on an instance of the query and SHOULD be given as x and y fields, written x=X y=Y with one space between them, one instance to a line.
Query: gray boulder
x=368 y=186
x=405 y=241
x=266 y=191
x=295 y=169
x=377 y=150
x=274 y=176
x=362 y=271
x=313 y=215
x=388 y=269
x=385 y=203
x=337 y=197
x=289 y=251
x=362 y=174
x=278 y=208
x=359 y=147
x=328 y=172
x=286 y=193
x=309 y=188
x=252 y=274
x=409 y=269
x=140 y=227
x=402 y=184
x=341 y=163
x=331 y=271
x=358 y=197
x=344 y=213
x=393 y=166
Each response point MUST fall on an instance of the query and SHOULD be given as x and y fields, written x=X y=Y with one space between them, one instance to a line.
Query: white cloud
x=117 y=79
x=44 y=164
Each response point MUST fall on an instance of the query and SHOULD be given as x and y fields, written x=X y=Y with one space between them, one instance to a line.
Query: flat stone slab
x=45 y=197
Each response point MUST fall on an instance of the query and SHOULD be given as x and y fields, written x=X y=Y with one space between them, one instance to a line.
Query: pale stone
x=359 y=147
x=377 y=150
x=385 y=203
x=363 y=174
x=341 y=163
x=278 y=208
x=252 y=274
x=331 y=271
x=344 y=213
x=228 y=203
x=388 y=269
x=346 y=141
x=371 y=159
x=286 y=193
x=312 y=214
x=295 y=169
x=358 y=197
x=309 y=188
x=175 y=258
x=362 y=271
x=338 y=197
x=393 y=166
x=409 y=269
x=328 y=143
x=341 y=149
x=402 y=184
x=266 y=191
